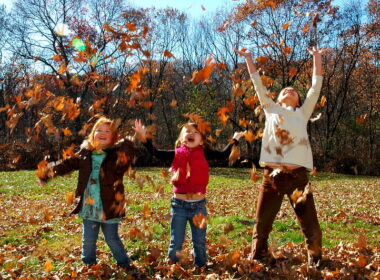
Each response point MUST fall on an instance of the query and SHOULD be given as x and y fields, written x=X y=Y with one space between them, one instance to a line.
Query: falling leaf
x=69 y=152
x=69 y=198
x=284 y=136
x=254 y=176
x=295 y=196
x=305 y=29
x=313 y=172
x=173 y=103
x=200 y=221
x=323 y=101
x=168 y=54
x=287 y=50
x=67 y=132
x=203 y=8
x=205 y=73
x=292 y=72
x=249 y=136
x=286 y=25
x=234 y=155
x=267 y=81
x=89 y=201
x=361 y=118
x=262 y=59
x=131 y=26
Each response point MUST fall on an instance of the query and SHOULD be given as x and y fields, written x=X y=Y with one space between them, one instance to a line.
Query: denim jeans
x=183 y=212
x=110 y=232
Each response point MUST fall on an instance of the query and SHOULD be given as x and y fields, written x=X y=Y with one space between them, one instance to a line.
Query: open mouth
x=190 y=139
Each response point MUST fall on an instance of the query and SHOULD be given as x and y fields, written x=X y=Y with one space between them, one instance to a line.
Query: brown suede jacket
x=117 y=161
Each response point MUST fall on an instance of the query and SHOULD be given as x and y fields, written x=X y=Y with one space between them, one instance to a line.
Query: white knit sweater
x=285 y=140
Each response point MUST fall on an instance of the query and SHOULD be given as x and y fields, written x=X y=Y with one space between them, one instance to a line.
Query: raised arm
x=141 y=135
x=211 y=154
x=313 y=93
x=261 y=90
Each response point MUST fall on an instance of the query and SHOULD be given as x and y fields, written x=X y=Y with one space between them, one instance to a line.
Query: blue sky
x=192 y=7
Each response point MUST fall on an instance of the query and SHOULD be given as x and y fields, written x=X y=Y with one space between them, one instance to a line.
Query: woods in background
x=64 y=62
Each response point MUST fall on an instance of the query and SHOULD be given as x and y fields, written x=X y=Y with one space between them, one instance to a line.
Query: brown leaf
x=168 y=54
x=200 y=221
x=254 y=176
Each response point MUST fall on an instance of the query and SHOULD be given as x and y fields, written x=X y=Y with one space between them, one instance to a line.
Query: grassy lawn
x=36 y=228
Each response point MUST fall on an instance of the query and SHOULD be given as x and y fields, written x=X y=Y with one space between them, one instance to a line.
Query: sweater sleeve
x=211 y=154
x=312 y=96
x=160 y=154
x=262 y=91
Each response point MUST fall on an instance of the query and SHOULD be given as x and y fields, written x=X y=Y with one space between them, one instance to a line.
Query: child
x=101 y=163
x=190 y=178
x=285 y=155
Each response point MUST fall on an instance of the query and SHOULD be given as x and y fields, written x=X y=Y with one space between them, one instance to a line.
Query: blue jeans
x=183 y=212
x=110 y=232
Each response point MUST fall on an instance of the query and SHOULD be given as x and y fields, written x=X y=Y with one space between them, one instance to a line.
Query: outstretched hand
x=140 y=130
x=317 y=50
x=243 y=52
x=238 y=135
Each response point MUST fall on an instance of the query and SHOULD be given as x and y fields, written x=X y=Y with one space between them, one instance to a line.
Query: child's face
x=191 y=137
x=103 y=136
x=289 y=96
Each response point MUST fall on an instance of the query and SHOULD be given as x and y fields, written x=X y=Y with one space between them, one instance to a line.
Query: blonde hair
x=178 y=142
x=102 y=120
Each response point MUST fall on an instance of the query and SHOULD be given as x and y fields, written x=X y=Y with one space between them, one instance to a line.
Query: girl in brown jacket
x=101 y=163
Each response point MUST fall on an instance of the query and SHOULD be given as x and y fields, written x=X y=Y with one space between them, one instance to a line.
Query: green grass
x=231 y=205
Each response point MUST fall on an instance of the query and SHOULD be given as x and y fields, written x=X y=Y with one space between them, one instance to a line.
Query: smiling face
x=103 y=136
x=190 y=136
x=289 y=97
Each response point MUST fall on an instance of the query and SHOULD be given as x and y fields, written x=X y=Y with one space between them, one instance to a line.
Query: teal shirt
x=92 y=208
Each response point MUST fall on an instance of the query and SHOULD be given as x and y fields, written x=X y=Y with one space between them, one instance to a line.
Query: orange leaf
x=292 y=72
x=200 y=221
x=295 y=196
x=254 y=176
x=69 y=152
x=168 y=54
x=305 y=28
x=69 y=198
x=131 y=26
x=323 y=101
x=362 y=261
x=361 y=118
x=287 y=50
x=249 y=136
x=67 y=132
x=286 y=25
x=205 y=73
x=262 y=59
x=89 y=201
x=267 y=81
x=48 y=266
x=173 y=103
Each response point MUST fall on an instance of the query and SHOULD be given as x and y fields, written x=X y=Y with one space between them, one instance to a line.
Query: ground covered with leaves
x=40 y=240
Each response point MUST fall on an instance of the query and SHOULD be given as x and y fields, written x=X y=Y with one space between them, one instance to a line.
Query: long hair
x=178 y=142
x=102 y=120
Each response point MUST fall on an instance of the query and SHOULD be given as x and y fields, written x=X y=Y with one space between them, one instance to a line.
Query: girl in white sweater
x=286 y=155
